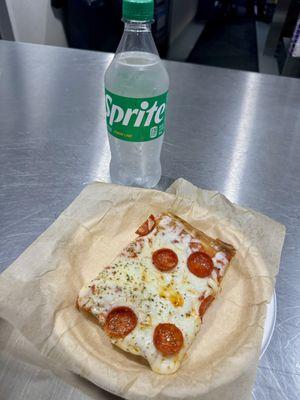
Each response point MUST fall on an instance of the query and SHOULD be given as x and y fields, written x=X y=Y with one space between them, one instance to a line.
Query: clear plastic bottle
x=136 y=88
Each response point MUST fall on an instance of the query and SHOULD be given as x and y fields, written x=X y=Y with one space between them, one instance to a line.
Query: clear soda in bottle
x=136 y=91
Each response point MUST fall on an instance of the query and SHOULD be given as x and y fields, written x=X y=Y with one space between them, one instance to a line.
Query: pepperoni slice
x=164 y=259
x=120 y=322
x=168 y=339
x=200 y=264
x=205 y=304
x=146 y=227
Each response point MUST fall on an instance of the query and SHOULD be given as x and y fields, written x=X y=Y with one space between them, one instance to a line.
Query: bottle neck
x=137 y=36
x=137 y=26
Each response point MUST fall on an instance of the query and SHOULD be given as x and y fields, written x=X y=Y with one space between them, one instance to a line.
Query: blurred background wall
x=252 y=35
x=33 y=21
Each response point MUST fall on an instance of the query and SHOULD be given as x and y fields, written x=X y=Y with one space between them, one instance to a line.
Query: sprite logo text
x=135 y=119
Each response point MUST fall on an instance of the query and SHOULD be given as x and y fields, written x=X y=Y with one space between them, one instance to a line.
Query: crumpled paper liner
x=38 y=292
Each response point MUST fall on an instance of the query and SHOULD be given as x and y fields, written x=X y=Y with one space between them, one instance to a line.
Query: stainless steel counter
x=237 y=132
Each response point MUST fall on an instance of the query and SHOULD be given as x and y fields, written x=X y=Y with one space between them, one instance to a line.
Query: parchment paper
x=38 y=292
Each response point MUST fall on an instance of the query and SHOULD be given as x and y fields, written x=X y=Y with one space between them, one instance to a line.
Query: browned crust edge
x=213 y=244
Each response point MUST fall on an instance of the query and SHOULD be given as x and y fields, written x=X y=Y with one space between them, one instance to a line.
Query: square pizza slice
x=150 y=301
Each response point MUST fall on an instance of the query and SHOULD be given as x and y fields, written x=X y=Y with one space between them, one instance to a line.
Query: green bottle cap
x=138 y=10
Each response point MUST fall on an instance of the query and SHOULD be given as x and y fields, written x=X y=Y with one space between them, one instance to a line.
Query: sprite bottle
x=136 y=92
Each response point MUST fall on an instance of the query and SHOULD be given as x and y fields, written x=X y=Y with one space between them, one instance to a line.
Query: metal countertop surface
x=232 y=131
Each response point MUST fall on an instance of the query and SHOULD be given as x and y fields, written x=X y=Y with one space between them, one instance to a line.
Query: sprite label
x=135 y=119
